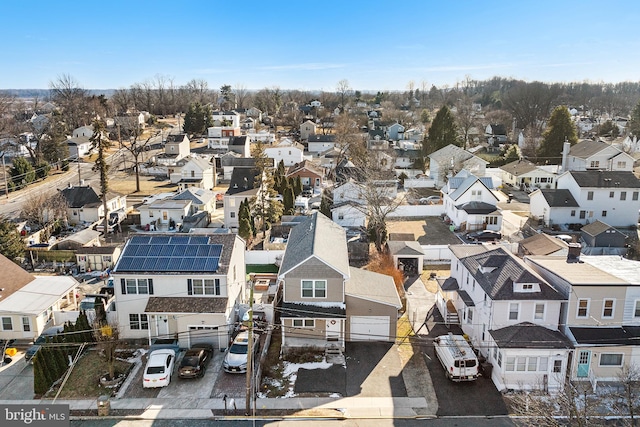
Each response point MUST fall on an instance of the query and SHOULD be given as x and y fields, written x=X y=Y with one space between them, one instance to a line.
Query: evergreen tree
x=559 y=129
x=634 y=123
x=42 y=169
x=443 y=131
x=40 y=382
x=22 y=172
x=102 y=144
x=11 y=244
x=244 y=229
x=297 y=186
x=288 y=200
x=281 y=169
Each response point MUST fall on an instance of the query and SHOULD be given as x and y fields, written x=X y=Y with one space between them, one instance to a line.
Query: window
x=623 y=195
x=604 y=213
x=138 y=286
x=304 y=323
x=636 y=310
x=340 y=215
x=26 y=324
x=314 y=288
x=511 y=364
x=521 y=364
x=583 y=214
x=150 y=213
x=634 y=195
x=539 y=311
x=607 y=308
x=492 y=220
x=206 y=286
x=595 y=163
x=622 y=165
x=232 y=214
x=469 y=315
x=514 y=307
x=165 y=216
x=495 y=353
x=583 y=308
x=573 y=212
x=500 y=359
x=557 y=366
x=611 y=194
x=544 y=364
x=138 y=321
x=589 y=195
x=532 y=364
x=7 y=324
x=611 y=359
x=527 y=286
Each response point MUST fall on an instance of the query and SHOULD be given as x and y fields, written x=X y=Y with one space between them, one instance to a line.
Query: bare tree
x=241 y=95
x=72 y=99
x=344 y=91
x=122 y=101
x=531 y=103
x=43 y=210
x=136 y=148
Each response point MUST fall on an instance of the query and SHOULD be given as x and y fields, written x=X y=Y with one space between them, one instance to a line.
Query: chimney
x=565 y=152
x=574 y=253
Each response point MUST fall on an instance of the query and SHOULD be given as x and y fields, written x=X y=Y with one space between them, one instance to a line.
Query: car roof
x=161 y=352
x=54 y=330
x=242 y=338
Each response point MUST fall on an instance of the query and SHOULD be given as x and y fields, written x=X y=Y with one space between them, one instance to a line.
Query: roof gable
x=13 y=277
x=242 y=179
x=78 y=197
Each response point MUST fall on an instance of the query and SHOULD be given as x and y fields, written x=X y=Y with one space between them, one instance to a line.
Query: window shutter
x=150 y=286
x=189 y=287
x=123 y=286
x=217 y=283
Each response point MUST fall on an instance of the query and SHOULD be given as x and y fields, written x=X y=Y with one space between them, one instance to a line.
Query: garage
x=206 y=334
x=369 y=328
x=408 y=256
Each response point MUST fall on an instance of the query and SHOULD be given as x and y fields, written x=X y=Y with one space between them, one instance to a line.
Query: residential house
x=320 y=143
x=510 y=314
x=527 y=176
x=176 y=148
x=349 y=214
x=324 y=301
x=450 y=160
x=201 y=200
x=226 y=118
x=229 y=161
x=602 y=312
x=79 y=147
x=84 y=204
x=79 y=240
x=602 y=239
x=218 y=137
x=406 y=153
x=130 y=120
x=307 y=129
x=597 y=155
x=240 y=145
x=97 y=258
x=263 y=136
x=86 y=131
x=287 y=151
x=164 y=214
x=395 y=132
x=470 y=204
x=186 y=286
x=197 y=172
x=28 y=302
x=496 y=131
x=407 y=255
x=311 y=177
x=241 y=187
x=582 y=197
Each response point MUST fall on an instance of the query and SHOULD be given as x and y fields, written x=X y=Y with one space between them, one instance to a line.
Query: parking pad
x=330 y=380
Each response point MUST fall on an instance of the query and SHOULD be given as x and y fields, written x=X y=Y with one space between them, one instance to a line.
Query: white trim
x=509 y=312
x=613 y=308
x=610 y=366
x=313 y=283
x=586 y=316
x=544 y=310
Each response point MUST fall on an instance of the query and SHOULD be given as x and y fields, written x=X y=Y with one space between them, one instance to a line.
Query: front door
x=162 y=325
x=584 y=357
x=333 y=329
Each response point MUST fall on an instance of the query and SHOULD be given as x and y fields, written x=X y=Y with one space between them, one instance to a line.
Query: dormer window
x=526 y=287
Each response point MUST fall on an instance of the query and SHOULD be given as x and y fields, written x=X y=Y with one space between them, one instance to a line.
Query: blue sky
x=375 y=45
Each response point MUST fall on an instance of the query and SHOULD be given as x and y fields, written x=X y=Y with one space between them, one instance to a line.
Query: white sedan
x=159 y=367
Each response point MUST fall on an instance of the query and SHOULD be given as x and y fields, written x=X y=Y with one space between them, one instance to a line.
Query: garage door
x=204 y=334
x=369 y=328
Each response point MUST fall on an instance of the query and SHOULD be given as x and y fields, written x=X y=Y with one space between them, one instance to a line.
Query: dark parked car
x=47 y=333
x=195 y=361
x=484 y=236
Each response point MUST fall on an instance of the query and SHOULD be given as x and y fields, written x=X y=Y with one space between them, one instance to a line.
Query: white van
x=457 y=357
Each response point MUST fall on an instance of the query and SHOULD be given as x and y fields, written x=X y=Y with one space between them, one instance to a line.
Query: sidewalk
x=348 y=407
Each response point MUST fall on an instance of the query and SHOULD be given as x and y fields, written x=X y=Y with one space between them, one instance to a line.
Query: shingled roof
x=557 y=198
x=606 y=179
x=528 y=335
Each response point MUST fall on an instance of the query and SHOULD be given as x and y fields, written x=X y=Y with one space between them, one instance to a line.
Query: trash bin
x=104 y=406
x=487 y=369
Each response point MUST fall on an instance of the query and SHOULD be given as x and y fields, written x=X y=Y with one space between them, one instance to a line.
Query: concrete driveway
x=16 y=379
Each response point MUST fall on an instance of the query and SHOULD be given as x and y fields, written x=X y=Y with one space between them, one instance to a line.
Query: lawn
x=84 y=381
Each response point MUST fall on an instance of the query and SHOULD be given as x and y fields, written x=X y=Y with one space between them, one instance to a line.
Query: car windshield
x=40 y=340
x=238 y=349
x=190 y=361
x=155 y=370
x=87 y=305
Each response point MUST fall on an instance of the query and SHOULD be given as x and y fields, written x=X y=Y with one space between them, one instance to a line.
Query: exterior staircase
x=333 y=354
x=451 y=317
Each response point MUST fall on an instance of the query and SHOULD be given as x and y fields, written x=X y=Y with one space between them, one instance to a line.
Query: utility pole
x=79 y=176
x=4 y=175
x=250 y=353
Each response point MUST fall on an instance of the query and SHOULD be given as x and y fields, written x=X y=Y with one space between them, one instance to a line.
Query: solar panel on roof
x=143 y=250
x=215 y=250
x=174 y=264
x=167 y=250
x=125 y=263
x=149 y=264
x=163 y=264
x=191 y=250
x=187 y=264
x=155 y=250
x=179 y=240
x=199 y=240
x=212 y=264
x=200 y=264
x=178 y=250
x=136 y=264
x=140 y=240
x=203 y=251
x=160 y=240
